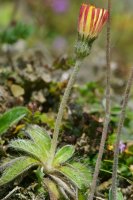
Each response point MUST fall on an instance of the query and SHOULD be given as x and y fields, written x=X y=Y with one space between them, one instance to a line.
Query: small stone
x=17 y=90
x=46 y=78
x=29 y=68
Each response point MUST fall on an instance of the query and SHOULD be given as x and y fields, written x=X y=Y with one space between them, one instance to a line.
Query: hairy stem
x=62 y=107
x=107 y=111
x=120 y=126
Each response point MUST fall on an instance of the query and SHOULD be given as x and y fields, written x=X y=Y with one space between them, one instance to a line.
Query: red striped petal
x=85 y=16
x=99 y=23
x=104 y=19
x=82 y=8
x=97 y=12
x=92 y=20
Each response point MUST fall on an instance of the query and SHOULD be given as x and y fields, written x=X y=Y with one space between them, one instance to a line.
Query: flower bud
x=90 y=24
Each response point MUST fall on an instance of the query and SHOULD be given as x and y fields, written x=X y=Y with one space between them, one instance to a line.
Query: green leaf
x=119 y=195
x=11 y=117
x=30 y=148
x=13 y=33
x=16 y=167
x=40 y=137
x=63 y=154
x=79 y=174
x=39 y=174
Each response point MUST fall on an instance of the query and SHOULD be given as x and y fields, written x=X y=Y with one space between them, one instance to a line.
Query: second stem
x=118 y=134
x=107 y=111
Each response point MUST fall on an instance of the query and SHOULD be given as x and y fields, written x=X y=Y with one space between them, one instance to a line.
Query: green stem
x=61 y=109
x=120 y=126
x=107 y=111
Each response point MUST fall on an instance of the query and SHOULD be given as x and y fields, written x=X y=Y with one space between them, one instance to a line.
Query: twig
x=107 y=110
x=10 y=193
x=120 y=126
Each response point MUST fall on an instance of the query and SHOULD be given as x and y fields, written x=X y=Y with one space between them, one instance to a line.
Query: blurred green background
x=55 y=25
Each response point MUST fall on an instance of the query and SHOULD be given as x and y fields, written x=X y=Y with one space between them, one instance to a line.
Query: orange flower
x=90 y=24
x=91 y=21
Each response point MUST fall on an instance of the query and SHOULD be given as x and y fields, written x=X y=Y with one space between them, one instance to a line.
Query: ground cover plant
x=52 y=148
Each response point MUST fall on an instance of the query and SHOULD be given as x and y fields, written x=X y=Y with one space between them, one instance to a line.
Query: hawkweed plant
x=60 y=176
x=90 y=23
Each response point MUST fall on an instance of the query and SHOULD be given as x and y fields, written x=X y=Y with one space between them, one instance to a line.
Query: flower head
x=90 y=24
x=91 y=20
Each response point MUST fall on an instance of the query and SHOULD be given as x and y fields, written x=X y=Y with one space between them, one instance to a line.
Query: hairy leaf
x=16 y=167
x=40 y=137
x=79 y=174
x=63 y=185
x=30 y=148
x=11 y=117
x=52 y=189
x=119 y=195
x=63 y=154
